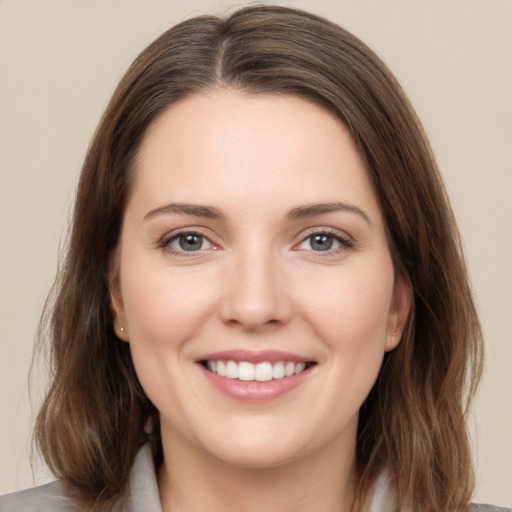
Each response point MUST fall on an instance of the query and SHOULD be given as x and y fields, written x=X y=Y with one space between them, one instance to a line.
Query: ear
x=116 y=300
x=399 y=311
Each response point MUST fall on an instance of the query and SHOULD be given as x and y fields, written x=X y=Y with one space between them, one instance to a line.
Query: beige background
x=60 y=61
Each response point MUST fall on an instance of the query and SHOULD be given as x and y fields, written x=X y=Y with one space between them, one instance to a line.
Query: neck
x=190 y=479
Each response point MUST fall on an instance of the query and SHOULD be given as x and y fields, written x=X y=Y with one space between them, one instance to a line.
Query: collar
x=381 y=497
x=144 y=496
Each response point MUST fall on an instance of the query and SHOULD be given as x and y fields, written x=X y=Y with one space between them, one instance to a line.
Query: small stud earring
x=122 y=329
x=393 y=332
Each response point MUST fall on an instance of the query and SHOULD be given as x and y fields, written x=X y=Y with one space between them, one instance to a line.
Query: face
x=253 y=279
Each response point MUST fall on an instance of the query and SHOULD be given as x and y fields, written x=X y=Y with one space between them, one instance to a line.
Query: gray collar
x=144 y=496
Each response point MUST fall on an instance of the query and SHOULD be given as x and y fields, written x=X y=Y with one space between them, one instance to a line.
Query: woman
x=264 y=304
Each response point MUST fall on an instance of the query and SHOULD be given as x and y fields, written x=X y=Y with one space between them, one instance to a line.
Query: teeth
x=221 y=368
x=231 y=370
x=278 y=371
x=299 y=367
x=246 y=371
x=261 y=372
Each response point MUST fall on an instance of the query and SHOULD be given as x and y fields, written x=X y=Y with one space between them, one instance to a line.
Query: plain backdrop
x=59 y=63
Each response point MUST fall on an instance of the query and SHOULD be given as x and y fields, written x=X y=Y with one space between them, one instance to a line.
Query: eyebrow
x=300 y=212
x=186 y=209
x=312 y=210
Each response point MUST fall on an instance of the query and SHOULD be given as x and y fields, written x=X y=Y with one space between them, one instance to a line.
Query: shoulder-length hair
x=413 y=422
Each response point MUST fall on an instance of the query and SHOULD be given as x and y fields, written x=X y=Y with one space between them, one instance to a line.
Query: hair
x=412 y=424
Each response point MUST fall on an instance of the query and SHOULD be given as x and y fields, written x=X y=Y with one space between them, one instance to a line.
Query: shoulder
x=382 y=498
x=488 y=508
x=141 y=494
x=53 y=497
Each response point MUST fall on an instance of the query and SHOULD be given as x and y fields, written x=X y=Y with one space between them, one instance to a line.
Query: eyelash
x=345 y=242
x=165 y=243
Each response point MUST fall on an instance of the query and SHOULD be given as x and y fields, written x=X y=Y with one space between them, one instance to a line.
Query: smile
x=262 y=372
x=256 y=376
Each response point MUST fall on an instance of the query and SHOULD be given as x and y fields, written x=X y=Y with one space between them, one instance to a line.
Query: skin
x=256 y=283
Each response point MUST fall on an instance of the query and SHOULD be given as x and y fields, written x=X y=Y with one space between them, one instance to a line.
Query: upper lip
x=254 y=357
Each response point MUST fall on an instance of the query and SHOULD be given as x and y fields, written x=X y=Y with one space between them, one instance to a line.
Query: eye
x=187 y=242
x=324 y=242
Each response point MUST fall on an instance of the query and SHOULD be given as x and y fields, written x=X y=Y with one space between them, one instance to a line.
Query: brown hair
x=413 y=422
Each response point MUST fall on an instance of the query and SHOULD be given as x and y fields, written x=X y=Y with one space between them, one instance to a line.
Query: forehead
x=213 y=147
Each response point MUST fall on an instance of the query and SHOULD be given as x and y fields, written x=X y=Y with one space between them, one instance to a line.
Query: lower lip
x=255 y=391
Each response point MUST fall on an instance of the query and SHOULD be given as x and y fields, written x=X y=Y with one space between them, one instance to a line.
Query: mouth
x=256 y=377
x=263 y=371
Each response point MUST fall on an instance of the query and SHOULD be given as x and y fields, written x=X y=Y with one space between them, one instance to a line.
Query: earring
x=122 y=329
x=393 y=332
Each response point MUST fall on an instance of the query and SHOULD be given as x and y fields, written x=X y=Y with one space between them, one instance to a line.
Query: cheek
x=350 y=317
x=163 y=305
x=165 y=312
x=351 y=320
x=350 y=308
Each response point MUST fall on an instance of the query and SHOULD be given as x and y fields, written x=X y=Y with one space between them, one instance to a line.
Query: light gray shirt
x=143 y=494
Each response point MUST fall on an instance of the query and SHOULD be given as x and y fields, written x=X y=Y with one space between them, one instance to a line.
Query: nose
x=256 y=295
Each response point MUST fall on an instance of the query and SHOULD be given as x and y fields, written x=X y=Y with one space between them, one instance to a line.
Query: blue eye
x=188 y=242
x=321 y=242
x=324 y=242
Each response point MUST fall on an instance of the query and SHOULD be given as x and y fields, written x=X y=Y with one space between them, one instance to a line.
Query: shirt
x=143 y=494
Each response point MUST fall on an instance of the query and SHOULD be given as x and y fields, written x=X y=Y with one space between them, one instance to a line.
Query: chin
x=256 y=457
x=263 y=447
